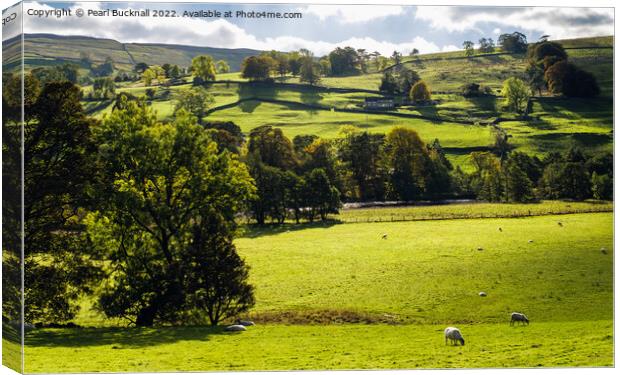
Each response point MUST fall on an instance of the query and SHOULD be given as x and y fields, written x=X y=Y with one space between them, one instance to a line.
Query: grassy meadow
x=555 y=123
x=338 y=296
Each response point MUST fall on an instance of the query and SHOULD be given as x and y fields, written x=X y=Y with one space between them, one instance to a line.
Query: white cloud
x=497 y=31
x=354 y=13
x=199 y=32
x=556 y=21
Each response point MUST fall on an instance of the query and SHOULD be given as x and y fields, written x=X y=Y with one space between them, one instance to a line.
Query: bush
x=420 y=92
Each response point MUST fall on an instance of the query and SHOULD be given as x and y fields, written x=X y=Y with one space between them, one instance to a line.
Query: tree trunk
x=146 y=316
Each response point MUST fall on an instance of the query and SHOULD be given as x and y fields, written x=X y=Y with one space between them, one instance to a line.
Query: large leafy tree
x=361 y=156
x=57 y=171
x=344 y=61
x=196 y=101
x=408 y=162
x=517 y=94
x=258 y=68
x=203 y=67
x=167 y=205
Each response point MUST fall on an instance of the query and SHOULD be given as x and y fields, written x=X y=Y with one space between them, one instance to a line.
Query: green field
x=555 y=123
x=338 y=296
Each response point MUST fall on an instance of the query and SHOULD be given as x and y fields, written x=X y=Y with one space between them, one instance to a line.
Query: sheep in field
x=454 y=335
x=518 y=317
x=235 y=328
x=384 y=236
x=245 y=323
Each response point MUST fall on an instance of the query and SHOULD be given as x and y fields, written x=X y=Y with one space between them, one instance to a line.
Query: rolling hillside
x=49 y=49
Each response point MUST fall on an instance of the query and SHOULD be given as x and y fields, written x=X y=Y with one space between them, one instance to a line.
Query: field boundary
x=412 y=217
x=348 y=110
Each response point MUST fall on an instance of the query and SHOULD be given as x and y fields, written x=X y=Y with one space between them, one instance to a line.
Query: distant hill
x=51 y=49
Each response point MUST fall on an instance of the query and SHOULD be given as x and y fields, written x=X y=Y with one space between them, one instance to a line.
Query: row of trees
x=515 y=42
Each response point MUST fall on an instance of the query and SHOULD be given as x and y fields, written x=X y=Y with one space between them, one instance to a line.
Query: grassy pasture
x=556 y=123
x=331 y=347
x=316 y=284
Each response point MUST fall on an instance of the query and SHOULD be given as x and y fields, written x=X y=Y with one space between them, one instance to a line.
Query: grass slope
x=351 y=346
x=425 y=276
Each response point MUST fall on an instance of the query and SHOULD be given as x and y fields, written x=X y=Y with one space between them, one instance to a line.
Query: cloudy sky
x=382 y=28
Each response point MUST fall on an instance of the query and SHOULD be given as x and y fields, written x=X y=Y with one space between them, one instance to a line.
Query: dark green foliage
x=539 y=51
x=310 y=71
x=218 y=277
x=226 y=134
x=567 y=180
x=103 y=70
x=140 y=67
x=602 y=186
x=166 y=194
x=320 y=196
x=486 y=45
x=273 y=147
x=196 y=101
x=59 y=73
x=514 y=43
x=399 y=82
x=258 y=68
x=570 y=80
x=344 y=61
x=58 y=170
x=361 y=155
x=103 y=88
x=389 y=84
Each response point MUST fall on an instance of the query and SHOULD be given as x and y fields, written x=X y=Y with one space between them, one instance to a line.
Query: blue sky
x=323 y=27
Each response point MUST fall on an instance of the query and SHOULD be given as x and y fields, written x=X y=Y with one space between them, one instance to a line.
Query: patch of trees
x=104 y=69
x=548 y=67
x=398 y=81
x=103 y=88
x=57 y=73
x=59 y=155
x=522 y=178
x=346 y=61
x=515 y=42
x=486 y=45
x=471 y=90
x=195 y=101
x=258 y=68
x=290 y=183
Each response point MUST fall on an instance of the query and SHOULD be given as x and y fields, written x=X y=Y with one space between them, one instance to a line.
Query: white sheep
x=454 y=335
x=482 y=294
x=235 y=328
x=518 y=317
x=603 y=250
x=245 y=323
x=384 y=236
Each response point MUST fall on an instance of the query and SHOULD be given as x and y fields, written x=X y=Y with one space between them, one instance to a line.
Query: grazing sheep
x=530 y=241
x=518 y=317
x=235 y=328
x=384 y=236
x=245 y=323
x=482 y=294
x=480 y=249
x=454 y=335
x=603 y=250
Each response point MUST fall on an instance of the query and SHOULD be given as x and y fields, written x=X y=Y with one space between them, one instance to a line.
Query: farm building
x=379 y=103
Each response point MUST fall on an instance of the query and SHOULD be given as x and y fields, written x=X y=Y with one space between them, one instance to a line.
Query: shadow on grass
x=255 y=230
x=119 y=338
